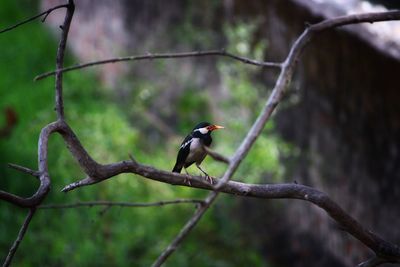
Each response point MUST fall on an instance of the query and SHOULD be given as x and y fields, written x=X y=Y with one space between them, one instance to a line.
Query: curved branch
x=44 y=177
x=45 y=13
x=149 y=56
x=320 y=199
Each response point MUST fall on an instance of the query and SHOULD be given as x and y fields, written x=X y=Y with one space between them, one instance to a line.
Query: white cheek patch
x=203 y=130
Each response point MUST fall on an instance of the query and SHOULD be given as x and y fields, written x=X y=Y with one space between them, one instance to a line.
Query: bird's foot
x=187 y=181
x=209 y=178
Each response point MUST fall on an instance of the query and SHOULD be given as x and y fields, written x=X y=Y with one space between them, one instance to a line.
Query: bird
x=192 y=150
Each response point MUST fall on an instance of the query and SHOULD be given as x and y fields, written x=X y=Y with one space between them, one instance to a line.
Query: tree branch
x=283 y=80
x=216 y=156
x=44 y=178
x=20 y=236
x=265 y=191
x=149 y=56
x=24 y=169
x=60 y=59
x=185 y=230
x=120 y=204
x=97 y=172
x=45 y=13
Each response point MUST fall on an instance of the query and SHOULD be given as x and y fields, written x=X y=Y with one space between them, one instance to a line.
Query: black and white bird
x=192 y=151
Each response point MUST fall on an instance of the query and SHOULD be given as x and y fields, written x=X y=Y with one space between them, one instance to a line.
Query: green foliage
x=121 y=236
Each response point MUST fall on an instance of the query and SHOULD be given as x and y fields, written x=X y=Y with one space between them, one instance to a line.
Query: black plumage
x=191 y=150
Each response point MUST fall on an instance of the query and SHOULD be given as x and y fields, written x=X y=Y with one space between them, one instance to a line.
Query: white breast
x=197 y=153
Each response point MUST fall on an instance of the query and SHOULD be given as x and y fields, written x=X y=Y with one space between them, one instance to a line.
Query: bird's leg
x=208 y=177
x=187 y=180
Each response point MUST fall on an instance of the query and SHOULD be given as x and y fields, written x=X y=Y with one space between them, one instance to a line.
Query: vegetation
x=119 y=236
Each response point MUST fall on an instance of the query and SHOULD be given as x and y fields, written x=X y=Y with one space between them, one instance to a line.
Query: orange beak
x=215 y=127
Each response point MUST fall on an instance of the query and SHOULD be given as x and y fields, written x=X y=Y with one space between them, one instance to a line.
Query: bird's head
x=206 y=128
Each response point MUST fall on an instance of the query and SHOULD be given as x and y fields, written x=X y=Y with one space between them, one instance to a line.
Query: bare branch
x=97 y=172
x=60 y=59
x=44 y=187
x=44 y=177
x=149 y=56
x=286 y=75
x=283 y=80
x=20 y=236
x=266 y=191
x=45 y=13
x=24 y=169
x=120 y=204
x=216 y=156
x=185 y=230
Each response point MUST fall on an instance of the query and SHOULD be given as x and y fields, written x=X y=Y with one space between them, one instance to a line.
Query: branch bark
x=282 y=82
x=60 y=59
x=45 y=13
x=386 y=251
x=20 y=236
x=149 y=56
x=264 y=191
x=44 y=178
x=120 y=204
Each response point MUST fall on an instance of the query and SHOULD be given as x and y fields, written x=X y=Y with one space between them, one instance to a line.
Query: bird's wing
x=184 y=150
x=186 y=142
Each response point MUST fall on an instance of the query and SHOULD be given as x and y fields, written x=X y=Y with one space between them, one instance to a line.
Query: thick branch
x=374 y=242
x=275 y=97
x=44 y=178
x=45 y=13
x=20 y=236
x=266 y=191
x=149 y=56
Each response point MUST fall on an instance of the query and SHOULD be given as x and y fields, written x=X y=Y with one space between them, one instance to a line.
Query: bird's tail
x=177 y=168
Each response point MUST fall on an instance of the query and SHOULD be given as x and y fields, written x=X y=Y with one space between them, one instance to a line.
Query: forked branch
x=44 y=13
x=385 y=251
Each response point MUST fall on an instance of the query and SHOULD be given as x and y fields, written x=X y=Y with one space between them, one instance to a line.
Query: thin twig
x=185 y=230
x=216 y=156
x=119 y=204
x=46 y=13
x=20 y=236
x=24 y=169
x=60 y=59
x=222 y=53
